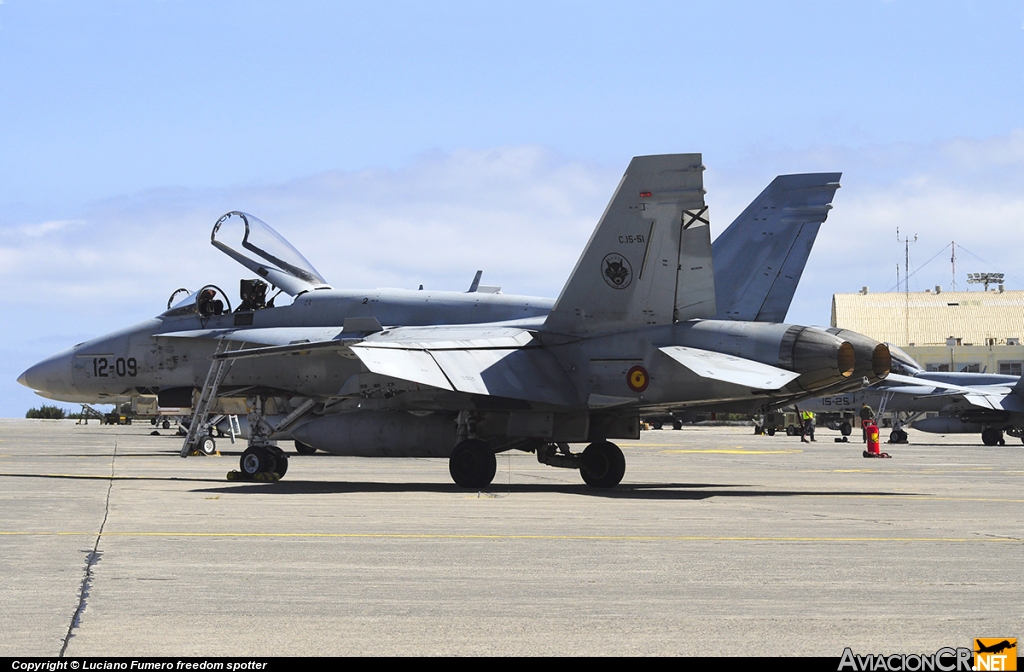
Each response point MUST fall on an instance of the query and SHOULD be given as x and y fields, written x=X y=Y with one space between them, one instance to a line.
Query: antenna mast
x=906 y=258
x=952 y=260
x=906 y=281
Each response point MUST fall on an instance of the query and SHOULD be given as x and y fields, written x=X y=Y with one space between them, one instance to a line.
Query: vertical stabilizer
x=759 y=259
x=648 y=261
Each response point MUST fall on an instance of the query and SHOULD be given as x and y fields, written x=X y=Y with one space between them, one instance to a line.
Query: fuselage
x=164 y=353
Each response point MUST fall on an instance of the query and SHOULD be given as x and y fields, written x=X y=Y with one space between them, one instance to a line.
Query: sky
x=406 y=143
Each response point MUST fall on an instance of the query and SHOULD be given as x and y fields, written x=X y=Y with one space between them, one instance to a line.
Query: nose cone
x=51 y=377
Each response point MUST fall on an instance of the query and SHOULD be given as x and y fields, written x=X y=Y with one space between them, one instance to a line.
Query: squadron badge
x=616 y=271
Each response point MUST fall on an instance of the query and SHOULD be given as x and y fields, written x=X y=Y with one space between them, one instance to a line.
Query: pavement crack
x=90 y=561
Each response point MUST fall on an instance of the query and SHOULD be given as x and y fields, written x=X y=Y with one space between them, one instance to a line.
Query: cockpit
x=902 y=363
x=254 y=244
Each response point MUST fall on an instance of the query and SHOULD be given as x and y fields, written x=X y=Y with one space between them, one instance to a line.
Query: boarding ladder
x=199 y=425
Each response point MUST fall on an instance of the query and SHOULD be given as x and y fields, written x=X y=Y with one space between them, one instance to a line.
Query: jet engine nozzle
x=820 y=358
x=873 y=358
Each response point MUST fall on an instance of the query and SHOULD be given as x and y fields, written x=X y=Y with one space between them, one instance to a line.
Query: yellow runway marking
x=514 y=537
x=734 y=451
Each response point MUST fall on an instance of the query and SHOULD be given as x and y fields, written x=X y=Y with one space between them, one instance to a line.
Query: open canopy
x=265 y=252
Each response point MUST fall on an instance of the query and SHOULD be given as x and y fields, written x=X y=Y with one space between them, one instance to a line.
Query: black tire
x=656 y=425
x=790 y=430
x=990 y=437
x=206 y=445
x=152 y=421
x=472 y=464
x=256 y=460
x=304 y=449
x=771 y=431
x=602 y=465
x=846 y=429
x=678 y=424
x=894 y=436
x=166 y=424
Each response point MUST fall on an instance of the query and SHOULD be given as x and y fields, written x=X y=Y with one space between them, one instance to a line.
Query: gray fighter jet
x=633 y=331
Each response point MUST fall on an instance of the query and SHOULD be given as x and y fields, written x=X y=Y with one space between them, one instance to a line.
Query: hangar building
x=944 y=331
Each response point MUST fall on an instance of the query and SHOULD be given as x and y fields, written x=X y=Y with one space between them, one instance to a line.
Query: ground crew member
x=808 y=429
x=866 y=416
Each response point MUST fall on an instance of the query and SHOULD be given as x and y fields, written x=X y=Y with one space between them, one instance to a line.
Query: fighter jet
x=632 y=331
x=988 y=404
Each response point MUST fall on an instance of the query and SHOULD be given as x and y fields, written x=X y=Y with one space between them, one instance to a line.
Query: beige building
x=944 y=331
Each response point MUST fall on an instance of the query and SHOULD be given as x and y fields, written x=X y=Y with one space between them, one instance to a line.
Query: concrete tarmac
x=718 y=542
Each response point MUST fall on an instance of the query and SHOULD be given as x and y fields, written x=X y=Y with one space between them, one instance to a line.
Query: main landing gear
x=602 y=465
x=472 y=464
x=992 y=437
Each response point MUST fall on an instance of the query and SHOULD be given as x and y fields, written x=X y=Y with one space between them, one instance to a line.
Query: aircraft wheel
x=304 y=449
x=846 y=429
x=281 y=461
x=256 y=460
x=472 y=464
x=166 y=424
x=603 y=465
x=206 y=445
x=990 y=437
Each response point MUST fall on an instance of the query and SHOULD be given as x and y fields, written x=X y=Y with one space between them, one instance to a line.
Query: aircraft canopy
x=265 y=252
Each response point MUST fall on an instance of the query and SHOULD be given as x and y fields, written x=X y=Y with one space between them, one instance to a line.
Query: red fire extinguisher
x=873 y=446
x=874 y=449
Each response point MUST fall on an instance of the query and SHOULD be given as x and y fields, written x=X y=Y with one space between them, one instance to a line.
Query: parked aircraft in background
x=361 y=373
x=974 y=403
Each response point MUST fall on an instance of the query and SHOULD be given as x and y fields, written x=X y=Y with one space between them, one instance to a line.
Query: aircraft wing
x=485 y=360
x=528 y=374
x=491 y=360
x=730 y=369
x=993 y=397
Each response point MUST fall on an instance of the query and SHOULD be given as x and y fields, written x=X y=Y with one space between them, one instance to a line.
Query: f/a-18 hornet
x=389 y=374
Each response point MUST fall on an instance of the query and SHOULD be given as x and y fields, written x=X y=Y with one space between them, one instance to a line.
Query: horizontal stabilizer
x=729 y=369
x=759 y=259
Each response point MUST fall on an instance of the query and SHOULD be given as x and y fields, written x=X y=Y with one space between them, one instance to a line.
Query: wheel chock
x=267 y=477
x=234 y=475
x=842 y=439
x=883 y=455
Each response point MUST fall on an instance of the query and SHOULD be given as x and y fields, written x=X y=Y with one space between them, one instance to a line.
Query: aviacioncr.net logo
x=946 y=659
